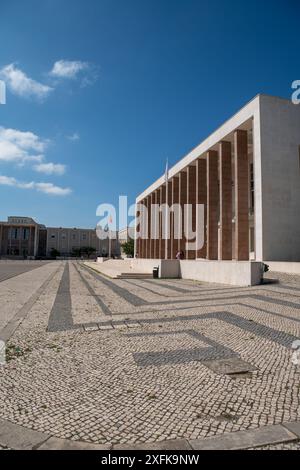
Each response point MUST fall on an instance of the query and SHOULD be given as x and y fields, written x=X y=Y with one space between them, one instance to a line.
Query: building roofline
x=189 y=156
x=70 y=228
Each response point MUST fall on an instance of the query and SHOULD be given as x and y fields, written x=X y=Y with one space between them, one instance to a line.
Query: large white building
x=247 y=175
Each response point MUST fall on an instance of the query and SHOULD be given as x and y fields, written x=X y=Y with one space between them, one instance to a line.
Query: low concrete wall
x=284 y=267
x=239 y=273
x=167 y=267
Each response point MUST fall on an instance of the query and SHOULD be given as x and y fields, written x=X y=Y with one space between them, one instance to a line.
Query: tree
x=128 y=247
x=76 y=252
x=88 y=250
x=54 y=253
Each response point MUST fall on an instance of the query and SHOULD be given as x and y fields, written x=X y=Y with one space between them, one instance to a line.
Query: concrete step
x=134 y=276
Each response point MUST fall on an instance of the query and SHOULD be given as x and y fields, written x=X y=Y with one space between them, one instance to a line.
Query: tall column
x=171 y=242
x=20 y=240
x=145 y=220
x=143 y=239
x=141 y=254
x=168 y=247
x=28 y=241
x=174 y=228
x=182 y=202
x=137 y=242
x=145 y=223
x=162 y=244
x=191 y=201
x=149 y=227
x=241 y=176
x=225 y=201
x=156 y=245
x=36 y=240
x=152 y=228
x=201 y=197
x=212 y=204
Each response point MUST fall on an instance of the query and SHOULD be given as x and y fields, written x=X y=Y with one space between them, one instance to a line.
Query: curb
x=96 y=271
x=16 y=437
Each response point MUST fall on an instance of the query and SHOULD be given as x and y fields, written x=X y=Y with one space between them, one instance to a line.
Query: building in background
x=23 y=237
x=68 y=241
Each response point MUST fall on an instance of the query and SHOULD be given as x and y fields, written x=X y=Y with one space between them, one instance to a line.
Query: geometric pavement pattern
x=125 y=361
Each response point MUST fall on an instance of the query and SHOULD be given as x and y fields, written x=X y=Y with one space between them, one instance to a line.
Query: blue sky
x=101 y=92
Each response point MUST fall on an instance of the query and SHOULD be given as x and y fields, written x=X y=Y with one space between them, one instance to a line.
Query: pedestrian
x=180 y=255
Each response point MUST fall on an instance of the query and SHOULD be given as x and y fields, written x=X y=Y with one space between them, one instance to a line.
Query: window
x=25 y=235
x=52 y=236
x=14 y=234
x=84 y=236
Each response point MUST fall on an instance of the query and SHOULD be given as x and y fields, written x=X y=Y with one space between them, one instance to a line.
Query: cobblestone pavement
x=9 y=269
x=127 y=361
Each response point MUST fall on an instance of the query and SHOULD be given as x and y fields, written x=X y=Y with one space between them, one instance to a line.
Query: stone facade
x=22 y=237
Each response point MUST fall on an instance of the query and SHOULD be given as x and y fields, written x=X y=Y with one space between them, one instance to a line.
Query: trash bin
x=155 y=273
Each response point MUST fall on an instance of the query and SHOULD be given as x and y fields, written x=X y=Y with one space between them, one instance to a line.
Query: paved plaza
x=130 y=361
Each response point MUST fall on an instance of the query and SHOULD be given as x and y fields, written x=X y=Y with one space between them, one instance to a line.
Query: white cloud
x=75 y=69
x=21 y=85
x=49 y=188
x=46 y=188
x=21 y=147
x=27 y=140
x=68 y=68
x=73 y=137
x=7 y=180
x=50 y=168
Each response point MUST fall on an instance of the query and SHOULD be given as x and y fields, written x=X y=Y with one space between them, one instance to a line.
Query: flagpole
x=167 y=211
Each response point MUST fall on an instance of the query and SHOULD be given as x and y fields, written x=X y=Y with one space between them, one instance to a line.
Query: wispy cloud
x=73 y=137
x=50 y=168
x=20 y=147
x=49 y=188
x=21 y=85
x=68 y=68
x=75 y=69
x=46 y=188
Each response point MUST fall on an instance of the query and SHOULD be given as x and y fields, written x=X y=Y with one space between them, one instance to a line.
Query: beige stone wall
x=65 y=240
